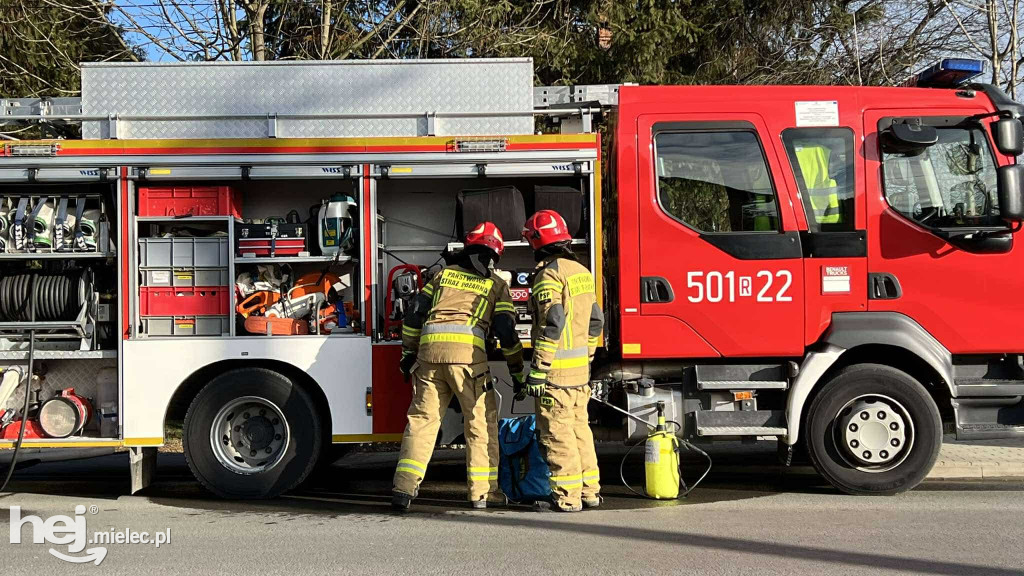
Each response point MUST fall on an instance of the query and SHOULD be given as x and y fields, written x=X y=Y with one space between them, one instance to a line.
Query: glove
x=519 y=386
x=406 y=363
x=535 y=385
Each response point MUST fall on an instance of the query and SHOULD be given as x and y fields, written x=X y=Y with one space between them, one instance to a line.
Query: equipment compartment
x=420 y=218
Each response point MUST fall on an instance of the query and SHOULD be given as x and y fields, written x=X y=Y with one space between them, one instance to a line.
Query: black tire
x=829 y=458
x=299 y=455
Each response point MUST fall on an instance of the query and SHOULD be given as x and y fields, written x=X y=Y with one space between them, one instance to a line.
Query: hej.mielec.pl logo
x=71 y=532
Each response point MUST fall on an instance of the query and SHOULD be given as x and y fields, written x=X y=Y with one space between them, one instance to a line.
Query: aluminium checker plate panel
x=375 y=88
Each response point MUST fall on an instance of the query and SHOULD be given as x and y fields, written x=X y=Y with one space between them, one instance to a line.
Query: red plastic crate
x=184 y=300
x=178 y=201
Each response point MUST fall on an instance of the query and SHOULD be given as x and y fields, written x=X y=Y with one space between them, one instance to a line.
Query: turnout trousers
x=435 y=384
x=568 y=445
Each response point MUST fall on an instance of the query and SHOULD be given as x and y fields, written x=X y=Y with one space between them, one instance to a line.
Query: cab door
x=720 y=259
x=938 y=250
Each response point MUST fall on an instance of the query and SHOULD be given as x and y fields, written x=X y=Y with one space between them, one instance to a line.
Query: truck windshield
x=948 y=185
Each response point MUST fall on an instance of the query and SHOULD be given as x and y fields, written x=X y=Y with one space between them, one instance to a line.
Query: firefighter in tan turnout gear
x=567 y=323
x=445 y=337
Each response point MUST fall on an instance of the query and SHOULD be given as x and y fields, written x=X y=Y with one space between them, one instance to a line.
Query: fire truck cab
x=841 y=264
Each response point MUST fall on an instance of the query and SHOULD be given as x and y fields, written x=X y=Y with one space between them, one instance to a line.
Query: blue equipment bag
x=522 y=472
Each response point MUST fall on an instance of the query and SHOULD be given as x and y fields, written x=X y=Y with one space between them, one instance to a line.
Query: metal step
x=742 y=385
x=974 y=387
x=740 y=431
x=741 y=376
x=740 y=423
x=988 y=431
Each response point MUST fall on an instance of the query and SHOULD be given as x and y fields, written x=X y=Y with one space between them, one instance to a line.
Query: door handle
x=883 y=286
x=655 y=289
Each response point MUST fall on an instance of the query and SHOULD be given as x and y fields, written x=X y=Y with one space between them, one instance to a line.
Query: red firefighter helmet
x=488 y=235
x=545 y=227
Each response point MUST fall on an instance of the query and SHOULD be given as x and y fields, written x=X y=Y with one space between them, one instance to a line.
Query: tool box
x=271 y=239
x=184 y=201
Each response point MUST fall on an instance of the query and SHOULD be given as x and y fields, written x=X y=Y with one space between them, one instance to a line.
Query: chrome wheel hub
x=875 y=432
x=249 y=435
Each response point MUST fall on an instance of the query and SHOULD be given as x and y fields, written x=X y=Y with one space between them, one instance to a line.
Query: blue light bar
x=947 y=73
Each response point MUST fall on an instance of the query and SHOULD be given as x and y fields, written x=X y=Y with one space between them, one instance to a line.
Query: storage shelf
x=158 y=219
x=288 y=259
x=508 y=244
x=56 y=255
x=59 y=354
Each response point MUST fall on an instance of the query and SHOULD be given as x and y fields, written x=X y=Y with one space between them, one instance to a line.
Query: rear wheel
x=873 y=429
x=251 y=433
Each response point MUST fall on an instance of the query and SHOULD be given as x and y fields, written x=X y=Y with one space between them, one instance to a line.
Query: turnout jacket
x=567 y=322
x=453 y=316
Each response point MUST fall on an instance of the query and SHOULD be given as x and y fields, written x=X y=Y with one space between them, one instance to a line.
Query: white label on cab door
x=835 y=279
x=817 y=113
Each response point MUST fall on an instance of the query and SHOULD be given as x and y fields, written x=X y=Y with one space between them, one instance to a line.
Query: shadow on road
x=360 y=483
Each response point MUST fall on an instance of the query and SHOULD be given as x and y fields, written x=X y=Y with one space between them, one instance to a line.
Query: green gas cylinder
x=661 y=461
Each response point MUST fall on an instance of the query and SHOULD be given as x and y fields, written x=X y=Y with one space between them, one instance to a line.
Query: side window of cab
x=716 y=181
x=822 y=162
x=949 y=184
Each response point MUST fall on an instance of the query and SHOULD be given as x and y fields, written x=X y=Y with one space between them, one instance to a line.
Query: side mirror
x=1011 y=192
x=1008 y=134
x=909 y=136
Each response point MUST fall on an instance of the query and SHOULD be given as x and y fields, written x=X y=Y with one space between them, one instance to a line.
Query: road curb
x=976 y=470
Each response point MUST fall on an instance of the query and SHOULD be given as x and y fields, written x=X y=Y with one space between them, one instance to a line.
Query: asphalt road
x=740 y=521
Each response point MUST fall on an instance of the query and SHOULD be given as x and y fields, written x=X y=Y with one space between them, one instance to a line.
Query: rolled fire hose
x=90 y=227
x=42 y=228
x=10 y=217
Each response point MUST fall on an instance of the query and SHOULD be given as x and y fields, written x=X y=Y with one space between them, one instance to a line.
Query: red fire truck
x=230 y=246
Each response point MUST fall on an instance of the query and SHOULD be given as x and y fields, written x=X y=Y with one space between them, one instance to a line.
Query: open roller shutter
x=66 y=174
x=254 y=172
x=489 y=169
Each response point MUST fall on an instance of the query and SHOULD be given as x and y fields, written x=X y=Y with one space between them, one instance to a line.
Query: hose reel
x=59 y=296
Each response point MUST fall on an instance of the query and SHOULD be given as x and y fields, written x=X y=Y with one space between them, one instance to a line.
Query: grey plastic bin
x=183 y=252
x=185 y=326
x=185 y=277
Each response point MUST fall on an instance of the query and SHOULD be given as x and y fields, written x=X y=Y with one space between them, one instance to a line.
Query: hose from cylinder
x=58 y=296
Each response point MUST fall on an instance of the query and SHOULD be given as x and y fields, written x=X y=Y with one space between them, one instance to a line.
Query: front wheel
x=251 y=433
x=873 y=429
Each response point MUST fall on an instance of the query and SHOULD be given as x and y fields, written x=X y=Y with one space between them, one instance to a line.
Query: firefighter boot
x=430 y=400
x=556 y=422
x=400 y=502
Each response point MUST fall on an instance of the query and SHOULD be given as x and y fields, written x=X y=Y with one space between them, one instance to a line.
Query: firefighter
x=444 y=337
x=567 y=323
